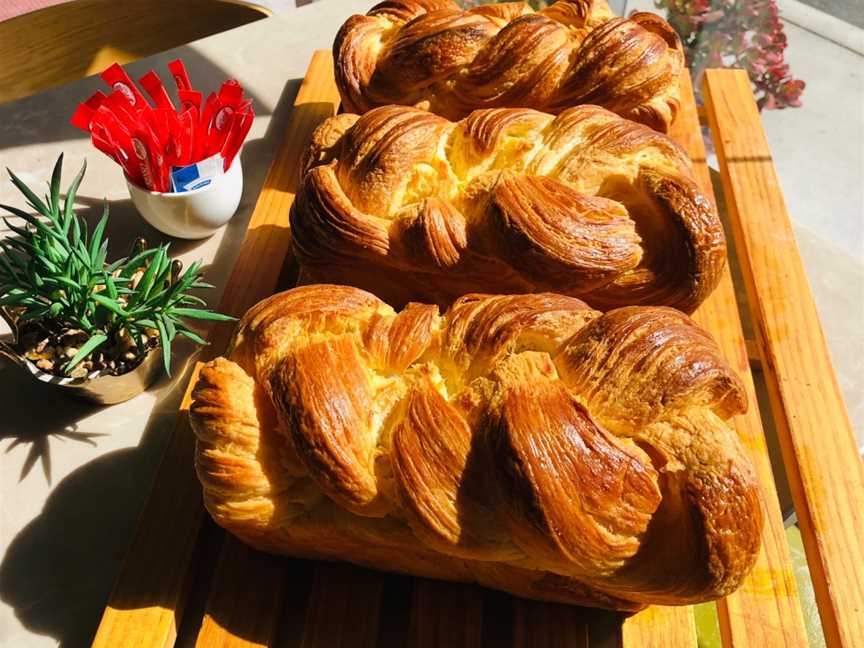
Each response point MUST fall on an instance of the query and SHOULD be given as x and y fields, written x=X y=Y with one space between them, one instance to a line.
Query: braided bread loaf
x=412 y=207
x=524 y=442
x=431 y=54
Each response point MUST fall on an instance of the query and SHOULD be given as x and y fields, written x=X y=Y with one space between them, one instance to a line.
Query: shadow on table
x=58 y=571
x=36 y=427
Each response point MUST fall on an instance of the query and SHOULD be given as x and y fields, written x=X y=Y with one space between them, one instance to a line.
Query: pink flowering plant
x=746 y=34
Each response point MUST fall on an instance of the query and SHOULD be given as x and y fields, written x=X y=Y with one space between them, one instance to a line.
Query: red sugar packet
x=205 y=126
x=231 y=92
x=189 y=129
x=84 y=114
x=107 y=131
x=190 y=99
x=173 y=146
x=116 y=77
x=123 y=110
x=150 y=160
x=181 y=78
x=239 y=131
x=152 y=84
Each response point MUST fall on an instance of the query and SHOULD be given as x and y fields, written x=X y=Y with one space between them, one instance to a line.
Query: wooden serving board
x=185 y=582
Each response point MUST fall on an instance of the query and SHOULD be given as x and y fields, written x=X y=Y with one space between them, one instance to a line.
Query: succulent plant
x=55 y=274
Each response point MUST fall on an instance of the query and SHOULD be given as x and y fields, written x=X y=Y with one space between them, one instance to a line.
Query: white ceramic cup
x=191 y=214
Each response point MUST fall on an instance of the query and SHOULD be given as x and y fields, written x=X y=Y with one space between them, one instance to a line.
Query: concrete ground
x=819 y=152
x=852 y=11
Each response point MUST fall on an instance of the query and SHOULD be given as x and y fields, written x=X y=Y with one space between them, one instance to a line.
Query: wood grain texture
x=445 y=615
x=147 y=601
x=343 y=607
x=765 y=610
x=548 y=625
x=660 y=627
x=145 y=607
x=66 y=42
x=245 y=599
x=816 y=439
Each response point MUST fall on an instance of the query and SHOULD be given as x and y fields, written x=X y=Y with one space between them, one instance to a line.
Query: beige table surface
x=73 y=485
x=73 y=478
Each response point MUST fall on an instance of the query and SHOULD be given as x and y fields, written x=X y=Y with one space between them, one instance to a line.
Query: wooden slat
x=816 y=439
x=147 y=601
x=445 y=615
x=753 y=354
x=765 y=610
x=245 y=599
x=145 y=607
x=660 y=627
x=343 y=608
x=548 y=625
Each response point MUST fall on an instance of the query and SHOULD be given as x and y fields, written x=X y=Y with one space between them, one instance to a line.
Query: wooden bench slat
x=765 y=610
x=145 y=606
x=549 y=625
x=147 y=601
x=245 y=599
x=816 y=439
x=445 y=615
x=660 y=627
x=344 y=607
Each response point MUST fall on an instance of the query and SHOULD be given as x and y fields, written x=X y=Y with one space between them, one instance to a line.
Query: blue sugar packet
x=196 y=176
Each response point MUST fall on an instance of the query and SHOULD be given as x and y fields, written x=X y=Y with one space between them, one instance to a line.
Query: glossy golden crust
x=410 y=206
x=524 y=442
x=433 y=55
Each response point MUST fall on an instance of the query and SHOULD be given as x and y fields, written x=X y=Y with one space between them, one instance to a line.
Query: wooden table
x=254 y=599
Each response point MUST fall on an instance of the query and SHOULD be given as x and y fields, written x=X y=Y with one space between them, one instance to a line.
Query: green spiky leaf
x=96 y=239
x=192 y=336
x=111 y=287
x=111 y=268
x=165 y=343
x=136 y=263
x=86 y=349
x=198 y=313
x=146 y=283
x=69 y=203
x=54 y=199
x=32 y=198
x=110 y=304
